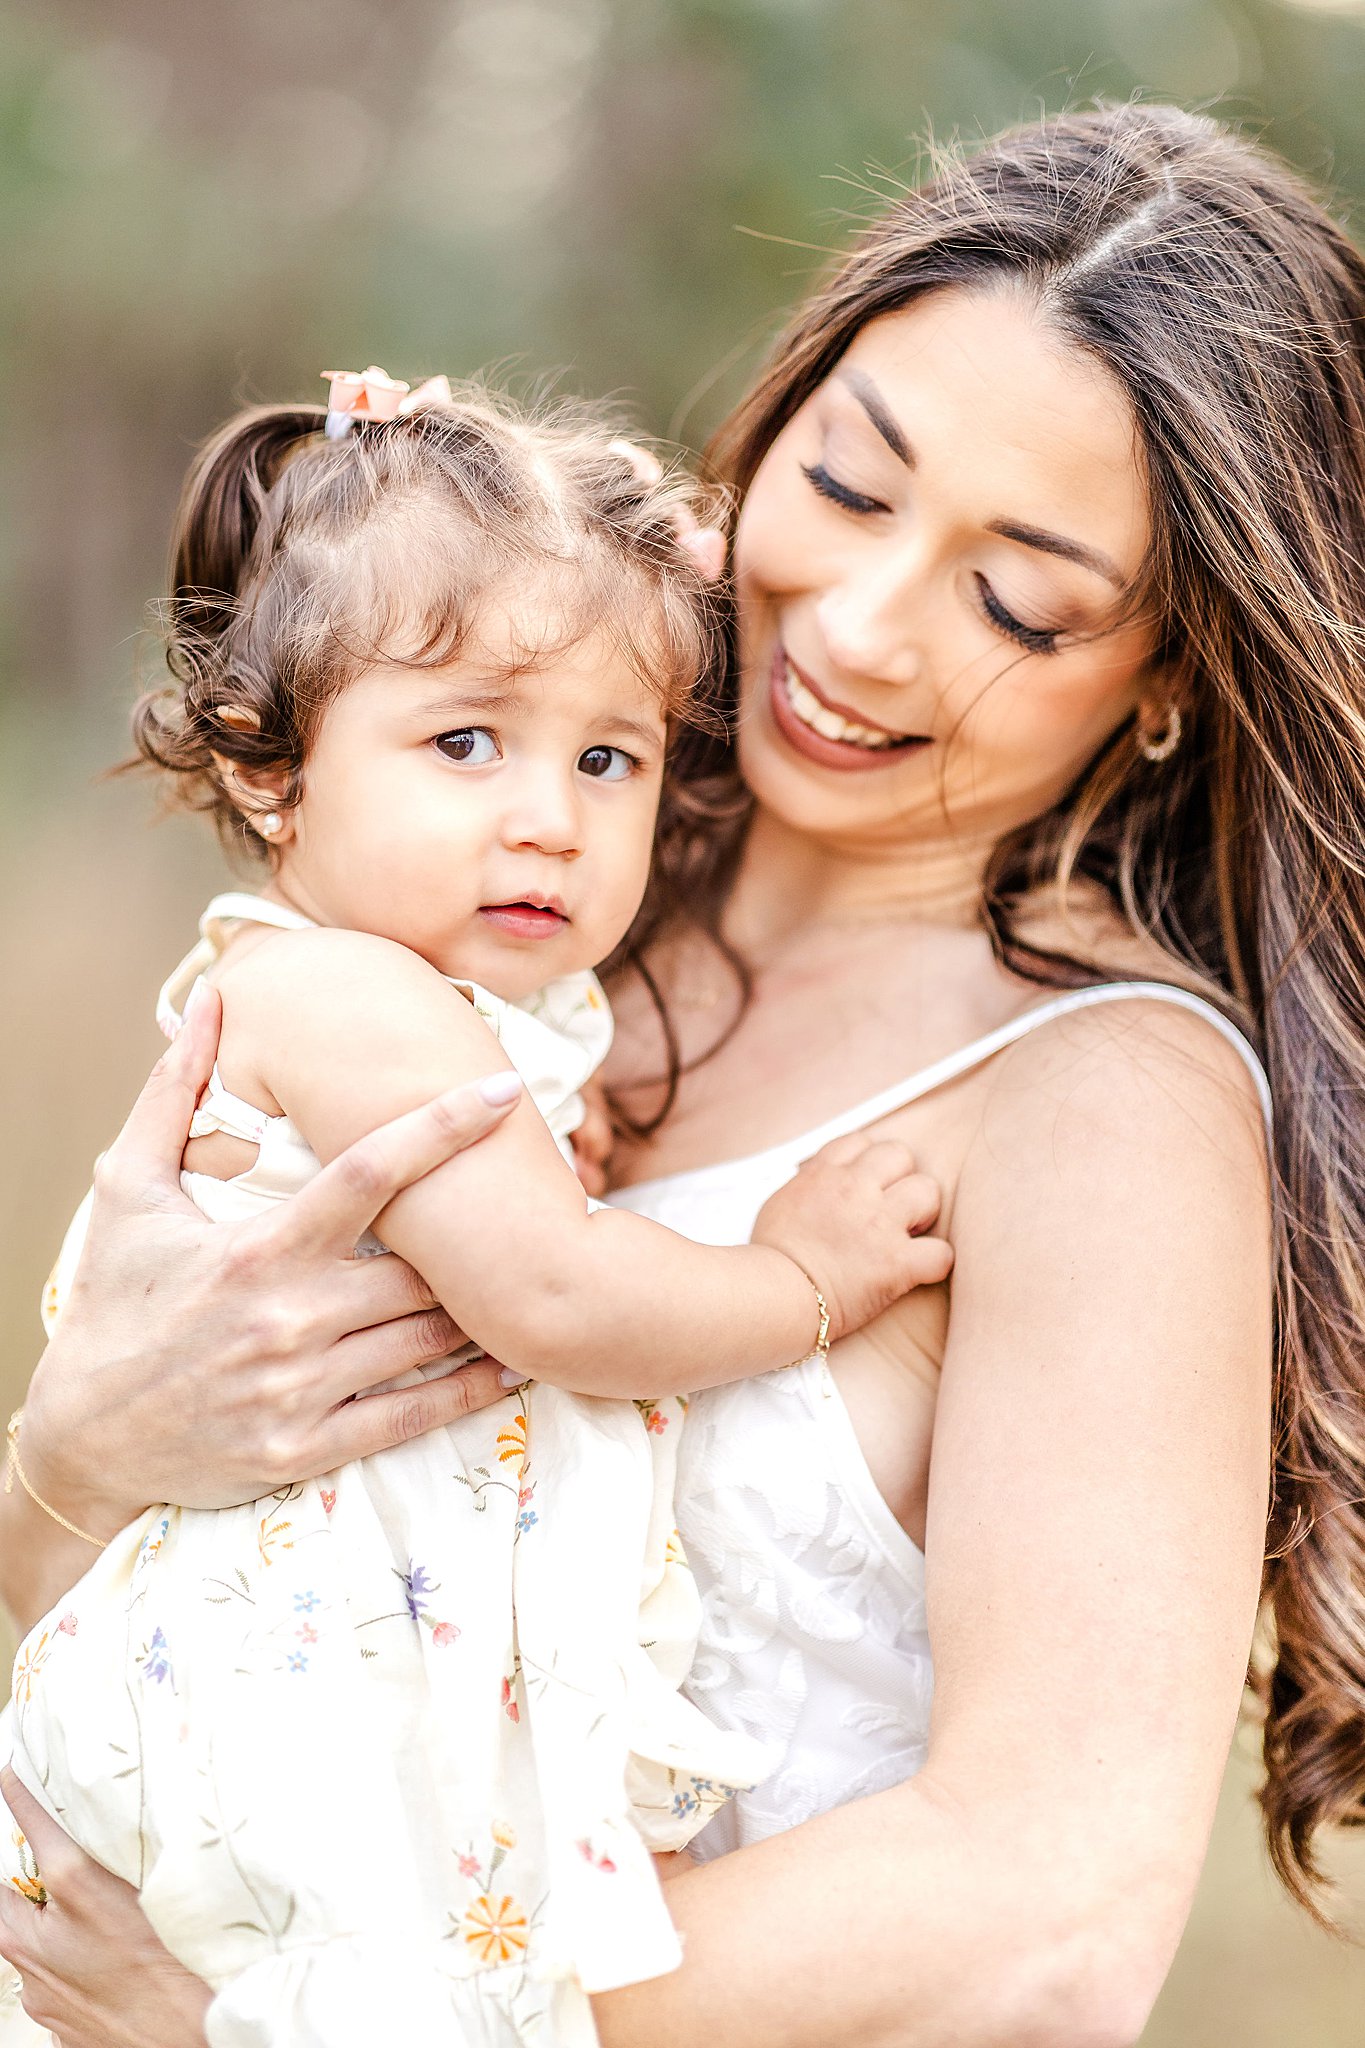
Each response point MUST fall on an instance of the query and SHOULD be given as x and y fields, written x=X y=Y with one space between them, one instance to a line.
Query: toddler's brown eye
x=606 y=764
x=472 y=746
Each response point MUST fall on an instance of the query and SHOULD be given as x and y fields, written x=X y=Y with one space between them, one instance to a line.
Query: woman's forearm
x=895 y=1922
x=39 y=1561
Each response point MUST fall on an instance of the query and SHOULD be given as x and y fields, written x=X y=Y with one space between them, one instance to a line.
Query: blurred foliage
x=202 y=204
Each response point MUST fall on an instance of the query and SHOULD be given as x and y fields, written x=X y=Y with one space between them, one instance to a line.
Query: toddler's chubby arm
x=343 y=1031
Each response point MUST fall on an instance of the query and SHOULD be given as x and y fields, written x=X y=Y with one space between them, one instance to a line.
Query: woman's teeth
x=829 y=724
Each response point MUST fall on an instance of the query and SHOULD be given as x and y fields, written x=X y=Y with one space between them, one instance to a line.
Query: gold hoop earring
x=1162 y=749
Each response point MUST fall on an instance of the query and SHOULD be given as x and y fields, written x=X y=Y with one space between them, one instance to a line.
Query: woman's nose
x=867 y=622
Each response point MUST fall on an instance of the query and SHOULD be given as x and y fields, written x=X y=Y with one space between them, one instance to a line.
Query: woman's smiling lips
x=528 y=917
x=825 y=732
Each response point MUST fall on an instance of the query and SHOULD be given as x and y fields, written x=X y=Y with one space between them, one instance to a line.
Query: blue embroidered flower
x=416 y=1586
x=685 y=1803
x=527 y=1519
x=156 y=1662
x=297 y=1661
x=304 y=1603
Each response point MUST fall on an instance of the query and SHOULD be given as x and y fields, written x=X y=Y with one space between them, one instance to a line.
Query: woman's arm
x=208 y=1363
x=1096 y=1511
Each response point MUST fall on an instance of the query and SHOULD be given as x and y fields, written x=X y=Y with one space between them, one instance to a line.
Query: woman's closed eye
x=607 y=764
x=471 y=746
x=1037 y=639
x=829 y=486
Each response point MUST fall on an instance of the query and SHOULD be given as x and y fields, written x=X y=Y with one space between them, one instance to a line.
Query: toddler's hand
x=594 y=1140
x=854 y=1217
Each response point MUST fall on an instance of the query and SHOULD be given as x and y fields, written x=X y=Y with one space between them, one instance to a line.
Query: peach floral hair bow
x=372 y=395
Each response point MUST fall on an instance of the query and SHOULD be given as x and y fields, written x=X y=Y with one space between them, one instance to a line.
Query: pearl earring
x=270 y=824
x=1162 y=749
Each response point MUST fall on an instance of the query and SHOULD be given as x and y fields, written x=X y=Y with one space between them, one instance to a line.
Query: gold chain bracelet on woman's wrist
x=820 y=1348
x=13 y=1468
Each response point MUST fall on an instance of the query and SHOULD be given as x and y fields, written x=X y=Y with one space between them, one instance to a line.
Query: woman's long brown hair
x=1230 y=306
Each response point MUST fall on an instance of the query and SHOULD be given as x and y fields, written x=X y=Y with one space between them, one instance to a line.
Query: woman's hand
x=94 y=1973
x=207 y=1363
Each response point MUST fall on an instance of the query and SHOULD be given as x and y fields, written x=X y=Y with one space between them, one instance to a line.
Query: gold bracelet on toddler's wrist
x=820 y=1348
x=13 y=1470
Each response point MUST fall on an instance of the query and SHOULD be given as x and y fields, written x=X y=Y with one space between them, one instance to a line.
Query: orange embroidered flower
x=269 y=1533
x=30 y=1884
x=31 y=1662
x=495 y=1928
x=513 y=1444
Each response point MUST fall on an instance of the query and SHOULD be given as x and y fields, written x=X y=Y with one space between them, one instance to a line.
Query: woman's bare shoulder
x=1118 y=1097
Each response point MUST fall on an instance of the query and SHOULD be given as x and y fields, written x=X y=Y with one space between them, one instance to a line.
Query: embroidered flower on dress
x=509 y=1705
x=512 y=1443
x=328 y=1496
x=28 y=1882
x=304 y=1603
x=443 y=1633
x=416 y=1585
x=31 y=1662
x=155 y=1661
x=270 y=1534
x=469 y=1866
x=297 y=1661
x=67 y=1625
x=495 y=1928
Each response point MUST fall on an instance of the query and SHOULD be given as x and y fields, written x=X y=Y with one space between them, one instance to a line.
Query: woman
x=1050 y=591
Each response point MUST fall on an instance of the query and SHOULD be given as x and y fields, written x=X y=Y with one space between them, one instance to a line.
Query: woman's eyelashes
x=828 y=486
x=1037 y=639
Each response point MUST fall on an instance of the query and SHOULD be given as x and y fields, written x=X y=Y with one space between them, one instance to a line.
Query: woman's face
x=929 y=564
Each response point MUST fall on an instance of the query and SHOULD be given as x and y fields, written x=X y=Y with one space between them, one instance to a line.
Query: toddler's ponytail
x=219 y=517
x=224 y=708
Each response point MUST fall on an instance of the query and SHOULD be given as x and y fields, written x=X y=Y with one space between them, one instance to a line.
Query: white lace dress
x=385 y=1753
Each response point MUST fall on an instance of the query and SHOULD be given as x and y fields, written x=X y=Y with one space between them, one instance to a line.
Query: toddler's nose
x=546 y=820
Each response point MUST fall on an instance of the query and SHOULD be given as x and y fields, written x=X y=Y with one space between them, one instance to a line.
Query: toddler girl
x=385 y=1754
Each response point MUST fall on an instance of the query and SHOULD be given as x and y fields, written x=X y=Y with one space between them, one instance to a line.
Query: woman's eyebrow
x=874 y=405
x=1058 y=544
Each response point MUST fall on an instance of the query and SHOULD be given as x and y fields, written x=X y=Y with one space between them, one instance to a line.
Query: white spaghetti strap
x=237 y=906
x=223 y=1111
x=966 y=1057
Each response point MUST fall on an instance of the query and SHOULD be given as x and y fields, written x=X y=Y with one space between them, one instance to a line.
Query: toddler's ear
x=259 y=795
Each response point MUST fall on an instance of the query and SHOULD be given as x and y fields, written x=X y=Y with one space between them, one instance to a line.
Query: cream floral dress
x=385 y=1753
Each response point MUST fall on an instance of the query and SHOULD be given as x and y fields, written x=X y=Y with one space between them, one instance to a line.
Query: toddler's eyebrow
x=466 y=697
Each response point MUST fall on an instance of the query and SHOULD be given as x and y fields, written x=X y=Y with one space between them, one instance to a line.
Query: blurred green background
x=202 y=204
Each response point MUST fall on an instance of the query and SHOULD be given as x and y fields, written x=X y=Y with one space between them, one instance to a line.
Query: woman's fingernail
x=510 y=1377
x=499 y=1088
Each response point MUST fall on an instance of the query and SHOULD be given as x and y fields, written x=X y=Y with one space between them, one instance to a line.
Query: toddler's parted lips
x=532 y=916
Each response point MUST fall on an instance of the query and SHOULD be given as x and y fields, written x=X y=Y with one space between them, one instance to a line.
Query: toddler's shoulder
x=326 y=977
